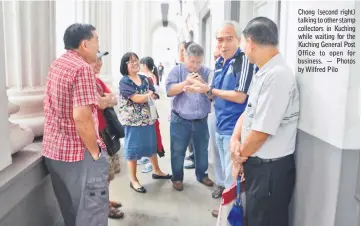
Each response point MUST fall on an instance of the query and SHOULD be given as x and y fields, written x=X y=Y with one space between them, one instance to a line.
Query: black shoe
x=167 y=177
x=140 y=190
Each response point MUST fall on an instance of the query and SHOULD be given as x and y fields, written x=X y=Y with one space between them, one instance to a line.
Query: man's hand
x=196 y=86
x=237 y=170
x=237 y=159
x=95 y=154
x=194 y=77
x=103 y=101
x=198 y=77
x=235 y=146
x=235 y=149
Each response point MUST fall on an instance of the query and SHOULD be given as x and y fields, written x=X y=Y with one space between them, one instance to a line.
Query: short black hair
x=262 y=30
x=76 y=33
x=123 y=62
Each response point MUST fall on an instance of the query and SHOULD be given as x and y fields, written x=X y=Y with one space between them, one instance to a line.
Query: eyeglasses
x=133 y=62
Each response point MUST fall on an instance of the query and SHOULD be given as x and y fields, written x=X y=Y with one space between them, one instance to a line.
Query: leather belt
x=267 y=160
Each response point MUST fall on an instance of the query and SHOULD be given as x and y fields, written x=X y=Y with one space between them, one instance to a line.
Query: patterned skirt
x=139 y=141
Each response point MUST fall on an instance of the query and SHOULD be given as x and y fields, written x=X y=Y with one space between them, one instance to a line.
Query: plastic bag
x=152 y=109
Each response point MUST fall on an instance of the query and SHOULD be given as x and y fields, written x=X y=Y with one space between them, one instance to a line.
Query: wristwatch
x=209 y=92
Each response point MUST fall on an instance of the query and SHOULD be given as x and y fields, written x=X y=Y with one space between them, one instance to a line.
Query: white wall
x=351 y=135
x=330 y=116
x=324 y=96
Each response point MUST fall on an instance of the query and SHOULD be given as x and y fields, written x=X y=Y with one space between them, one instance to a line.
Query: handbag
x=152 y=109
x=114 y=126
x=111 y=141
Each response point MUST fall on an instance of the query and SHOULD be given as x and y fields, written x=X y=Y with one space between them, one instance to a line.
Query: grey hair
x=195 y=50
x=236 y=26
x=262 y=30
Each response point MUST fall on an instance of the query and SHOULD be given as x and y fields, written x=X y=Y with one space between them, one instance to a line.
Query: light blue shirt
x=189 y=106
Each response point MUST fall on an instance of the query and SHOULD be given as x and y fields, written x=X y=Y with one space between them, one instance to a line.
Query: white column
x=104 y=25
x=143 y=27
x=5 y=159
x=135 y=25
x=29 y=50
x=118 y=39
x=99 y=14
x=65 y=16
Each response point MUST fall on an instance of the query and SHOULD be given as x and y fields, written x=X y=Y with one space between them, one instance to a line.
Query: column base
x=34 y=123
x=31 y=113
x=20 y=137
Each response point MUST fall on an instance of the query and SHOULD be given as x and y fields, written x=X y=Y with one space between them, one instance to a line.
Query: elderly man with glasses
x=189 y=116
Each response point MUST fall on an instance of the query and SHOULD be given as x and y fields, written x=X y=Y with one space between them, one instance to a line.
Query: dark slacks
x=269 y=187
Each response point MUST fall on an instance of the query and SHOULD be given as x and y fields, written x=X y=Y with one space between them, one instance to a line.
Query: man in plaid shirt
x=73 y=151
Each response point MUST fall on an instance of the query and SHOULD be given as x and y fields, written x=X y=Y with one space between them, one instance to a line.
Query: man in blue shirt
x=189 y=117
x=232 y=77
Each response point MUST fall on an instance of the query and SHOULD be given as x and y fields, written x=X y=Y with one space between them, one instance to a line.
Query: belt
x=267 y=160
x=192 y=120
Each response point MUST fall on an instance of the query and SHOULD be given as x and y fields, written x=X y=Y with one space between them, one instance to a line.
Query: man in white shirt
x=267 y=129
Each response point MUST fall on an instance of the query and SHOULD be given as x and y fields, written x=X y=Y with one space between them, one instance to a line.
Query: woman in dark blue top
x=140 y=136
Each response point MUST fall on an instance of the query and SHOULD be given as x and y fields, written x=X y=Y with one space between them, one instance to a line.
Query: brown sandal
x=115 y=213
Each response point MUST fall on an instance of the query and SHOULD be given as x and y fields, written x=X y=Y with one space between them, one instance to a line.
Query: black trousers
x=269 y=187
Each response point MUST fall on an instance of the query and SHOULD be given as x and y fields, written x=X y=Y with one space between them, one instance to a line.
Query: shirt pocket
x=250 y=113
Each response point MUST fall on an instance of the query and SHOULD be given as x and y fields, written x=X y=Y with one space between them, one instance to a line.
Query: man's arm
x=230 y=95
x=244 y=73
x=173 y=85
x=85 y=127
x=253 y=142
x=108 y=100
x=235 y=144
x=239 y=94
x=84 y=97
x=176 y=89
x=237 y=132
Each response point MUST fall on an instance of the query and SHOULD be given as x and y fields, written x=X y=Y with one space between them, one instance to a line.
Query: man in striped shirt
x=232 y=77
